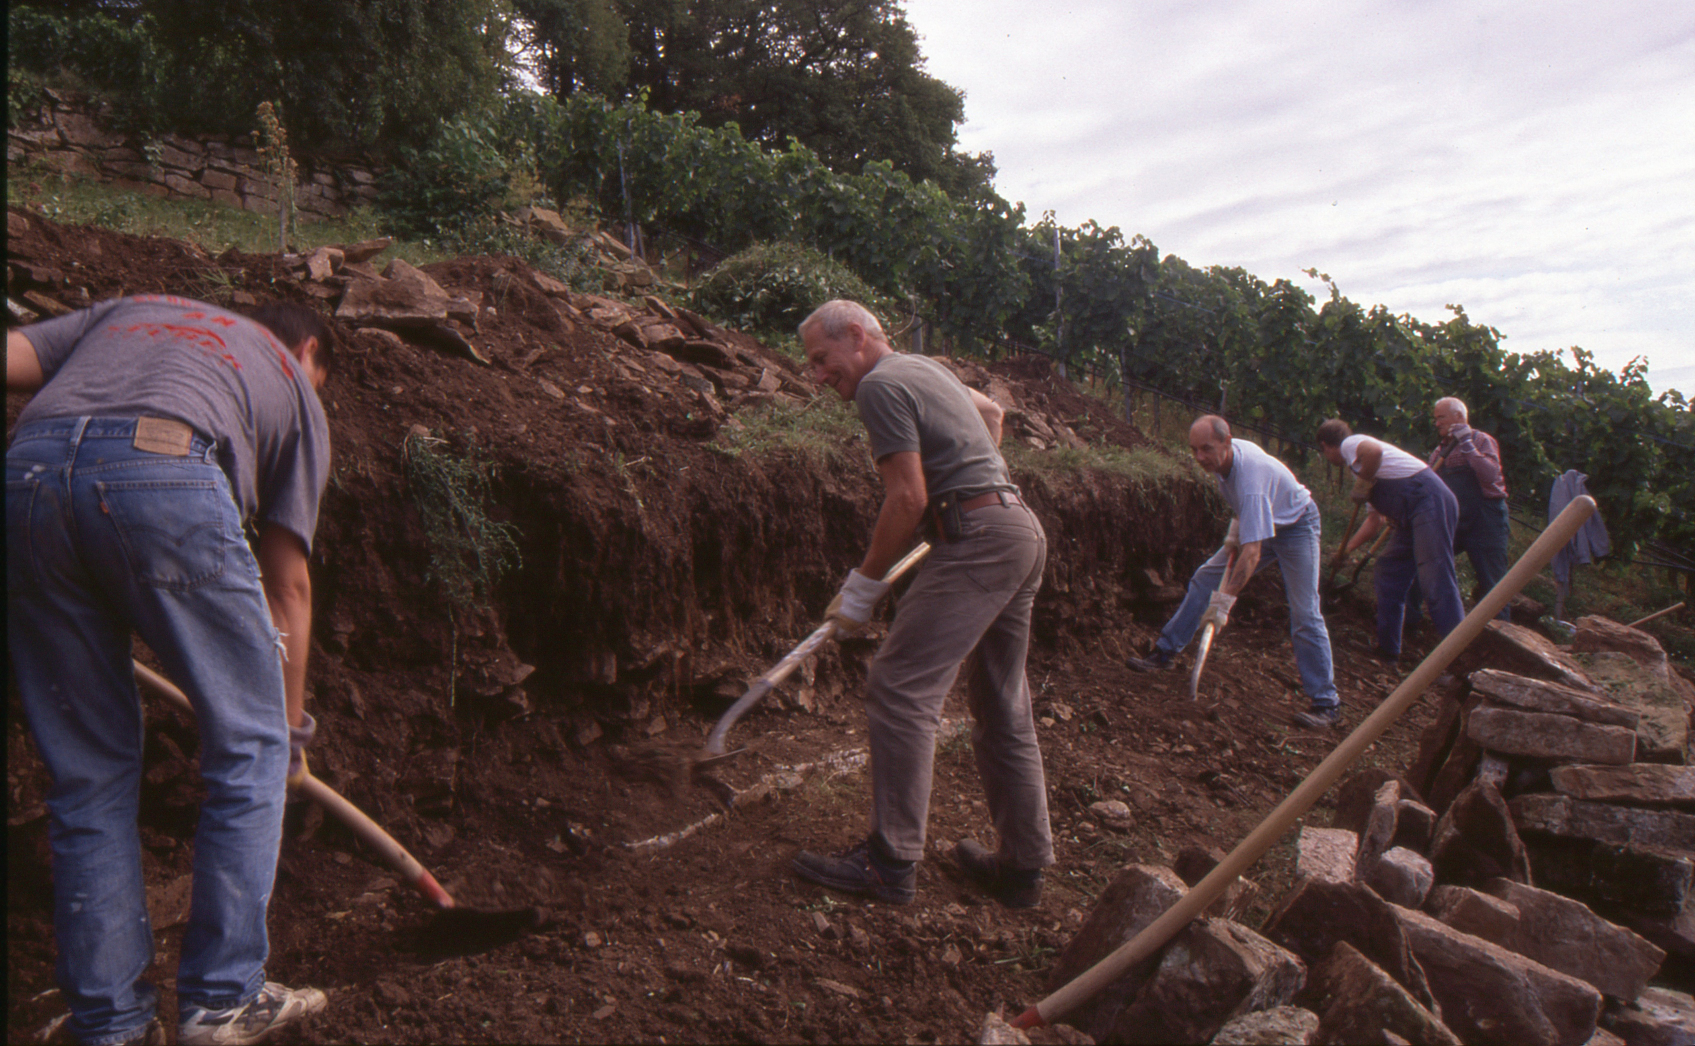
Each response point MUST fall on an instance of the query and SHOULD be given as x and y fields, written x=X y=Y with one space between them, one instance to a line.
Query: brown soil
x=659 y=576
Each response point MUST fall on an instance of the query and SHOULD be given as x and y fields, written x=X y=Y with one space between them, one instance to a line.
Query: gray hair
x=1453 y=403
x=834 y=318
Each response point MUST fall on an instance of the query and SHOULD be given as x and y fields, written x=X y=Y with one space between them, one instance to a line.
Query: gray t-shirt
x=913 y=403
x=223 y=374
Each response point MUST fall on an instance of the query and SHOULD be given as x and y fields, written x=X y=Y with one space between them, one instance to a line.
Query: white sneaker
x=273 y=1008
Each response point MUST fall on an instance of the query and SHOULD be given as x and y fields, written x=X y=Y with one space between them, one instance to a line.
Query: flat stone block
x=1653 y=883
x=1211 y=972
x=1538 y=695
x=1474 y=912
x=1659 y=1017
x=1604 y=822
x=1279 y=1026
x=1400 y=876
x=1543 y=736
x=1316 y=916
x=1637 y=784
x=1139 y=895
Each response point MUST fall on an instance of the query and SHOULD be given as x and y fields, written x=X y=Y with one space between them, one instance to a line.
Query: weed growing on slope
x=469 y=552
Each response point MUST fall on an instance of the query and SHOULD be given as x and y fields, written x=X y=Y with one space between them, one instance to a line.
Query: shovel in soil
x=714 y=749
x=1208 y=630
x=1335 y=588
x=466 y=929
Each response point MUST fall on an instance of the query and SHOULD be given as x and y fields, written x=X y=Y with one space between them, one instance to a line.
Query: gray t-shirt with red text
x=913 y=403
x=225 y=375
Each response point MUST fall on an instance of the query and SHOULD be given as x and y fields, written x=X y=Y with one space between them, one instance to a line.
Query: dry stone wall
x=73 y=135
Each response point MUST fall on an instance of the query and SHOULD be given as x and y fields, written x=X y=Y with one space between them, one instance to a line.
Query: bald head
x=1209 y=440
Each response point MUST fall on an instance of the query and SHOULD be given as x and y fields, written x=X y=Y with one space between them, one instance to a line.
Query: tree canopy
x=844 y=77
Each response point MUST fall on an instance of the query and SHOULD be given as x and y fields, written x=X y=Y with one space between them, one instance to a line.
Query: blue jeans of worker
x=103 y=540
x=1295 y=549
x=1483 y=537
x=1425 y=513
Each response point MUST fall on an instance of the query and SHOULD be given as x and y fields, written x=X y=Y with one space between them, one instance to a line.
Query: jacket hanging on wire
x=1590 y=542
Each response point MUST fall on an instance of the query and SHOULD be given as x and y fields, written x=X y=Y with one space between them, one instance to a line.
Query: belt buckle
x=163 y=436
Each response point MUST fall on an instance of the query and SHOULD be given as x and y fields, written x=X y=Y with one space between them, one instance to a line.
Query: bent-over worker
x=1276 y=521
x=934 y=441
x=1405 y=491
x=161 y=427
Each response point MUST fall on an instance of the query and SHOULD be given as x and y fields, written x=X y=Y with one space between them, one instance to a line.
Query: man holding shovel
x=1409 y=494
x=161 y=428
x=1276 y=521
x=935 y=443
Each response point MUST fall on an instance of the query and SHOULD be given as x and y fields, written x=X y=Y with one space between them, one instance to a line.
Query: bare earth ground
x=659 y=577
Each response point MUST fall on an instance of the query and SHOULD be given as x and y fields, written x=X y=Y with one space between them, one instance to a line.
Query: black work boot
x=1156 y=661
x=1012 y=887
x=861 y=871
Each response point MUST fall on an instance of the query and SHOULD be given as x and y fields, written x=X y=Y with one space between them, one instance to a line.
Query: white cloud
x=1535 y=163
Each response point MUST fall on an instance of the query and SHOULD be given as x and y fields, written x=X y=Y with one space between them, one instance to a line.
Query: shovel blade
x=1207 y=631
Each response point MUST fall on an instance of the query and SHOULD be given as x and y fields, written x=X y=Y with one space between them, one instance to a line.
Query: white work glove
x=1233 y=537
x=852 y=607
x=298 y=738
x=1218 y=610
x=1362 y=490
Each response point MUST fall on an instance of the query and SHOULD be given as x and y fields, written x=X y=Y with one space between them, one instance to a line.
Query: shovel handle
x=1261 y=839
x=780 y=671
x=369 y=832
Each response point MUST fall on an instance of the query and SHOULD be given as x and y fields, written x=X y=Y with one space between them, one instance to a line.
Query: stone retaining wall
x=71 y=134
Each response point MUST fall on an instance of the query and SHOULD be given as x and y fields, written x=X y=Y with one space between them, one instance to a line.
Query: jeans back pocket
x=175 y=533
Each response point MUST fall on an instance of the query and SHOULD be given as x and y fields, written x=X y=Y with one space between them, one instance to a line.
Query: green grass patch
x=1141 y=465
x=826 y=427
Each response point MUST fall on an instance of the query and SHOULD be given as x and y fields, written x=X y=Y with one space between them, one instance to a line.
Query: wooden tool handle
x=1249 y=850
x=369 y=832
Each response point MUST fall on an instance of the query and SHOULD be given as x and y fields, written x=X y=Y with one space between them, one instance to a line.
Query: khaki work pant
x=971 y=600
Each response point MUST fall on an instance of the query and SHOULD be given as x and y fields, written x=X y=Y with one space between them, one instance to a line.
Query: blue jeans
x=1425 y=513
x=1295 y=548
x=103 y=539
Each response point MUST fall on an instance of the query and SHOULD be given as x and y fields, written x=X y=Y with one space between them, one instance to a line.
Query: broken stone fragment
x=1399 y=876
x=1519 y=650
x=1315 y=915
x=1491 y=996
x=1662 y=733
x=1278 y=1026
x=1476 y=840
x=1658 y=1017
x=1543 y=736
x=1565 y=935
x=1327 y=854
x=1212 y=971
x=1361 y=1001
x=1139 y=895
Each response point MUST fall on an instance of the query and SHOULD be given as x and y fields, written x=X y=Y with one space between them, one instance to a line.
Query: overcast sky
x=1532 y=161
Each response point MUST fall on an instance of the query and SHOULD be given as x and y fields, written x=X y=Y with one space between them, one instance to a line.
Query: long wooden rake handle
x=369 y=832
x=1249 y=850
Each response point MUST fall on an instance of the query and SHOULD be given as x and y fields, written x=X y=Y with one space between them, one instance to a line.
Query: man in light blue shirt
x=1276 y=521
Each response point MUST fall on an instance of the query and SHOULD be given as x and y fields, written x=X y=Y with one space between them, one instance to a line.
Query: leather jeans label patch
x=163 y=436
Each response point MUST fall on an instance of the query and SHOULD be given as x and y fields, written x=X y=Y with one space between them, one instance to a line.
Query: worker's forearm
x=292 y=616
x=1235 y=578
x=897 y=522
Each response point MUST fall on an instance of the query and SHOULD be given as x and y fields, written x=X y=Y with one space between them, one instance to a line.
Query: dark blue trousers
x=1425 y=514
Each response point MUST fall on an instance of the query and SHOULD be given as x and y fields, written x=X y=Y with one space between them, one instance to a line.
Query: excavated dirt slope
x=667 y=559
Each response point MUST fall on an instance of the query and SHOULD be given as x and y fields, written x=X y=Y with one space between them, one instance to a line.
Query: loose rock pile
x=1530 y=900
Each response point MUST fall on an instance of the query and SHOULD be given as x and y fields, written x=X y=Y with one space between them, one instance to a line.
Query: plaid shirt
x=1464 y=445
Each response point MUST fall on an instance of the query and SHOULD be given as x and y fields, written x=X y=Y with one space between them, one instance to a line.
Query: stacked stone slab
x=1526 y=908
x=72 y=135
